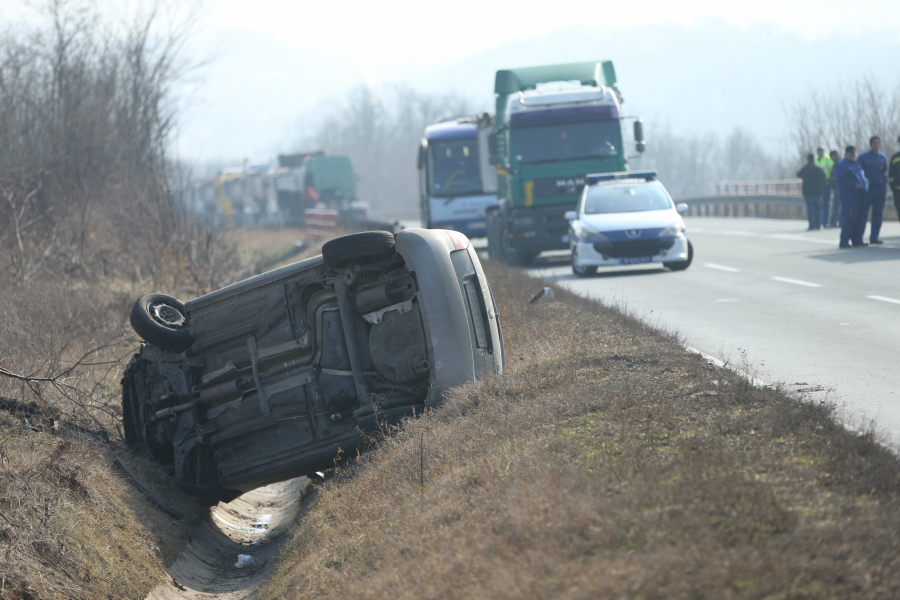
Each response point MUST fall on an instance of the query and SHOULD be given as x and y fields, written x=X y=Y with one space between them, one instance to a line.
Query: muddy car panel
x=267 y=390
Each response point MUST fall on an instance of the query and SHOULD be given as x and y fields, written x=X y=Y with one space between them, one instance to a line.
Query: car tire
x=580 y=271
x=682 y=264
x=374 y=424
x=367 y=246
x=162 y=321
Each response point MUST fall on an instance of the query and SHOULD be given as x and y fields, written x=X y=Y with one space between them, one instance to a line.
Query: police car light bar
x=598 y=177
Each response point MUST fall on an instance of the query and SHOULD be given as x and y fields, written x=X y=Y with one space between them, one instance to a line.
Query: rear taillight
x=460 y=241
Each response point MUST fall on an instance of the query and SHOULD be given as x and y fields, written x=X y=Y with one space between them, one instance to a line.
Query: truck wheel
x=367 y=246
x=682 y=264
x=162 y=321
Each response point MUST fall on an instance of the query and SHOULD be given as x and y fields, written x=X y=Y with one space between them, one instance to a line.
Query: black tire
x=373 y=424
x=683 y=264
x=367 y=246
x=162 y=321
x=581 y=271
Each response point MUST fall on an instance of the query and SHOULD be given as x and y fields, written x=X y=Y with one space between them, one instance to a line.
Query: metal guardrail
x=760 y=206
x=773 y=187
x=320 y=223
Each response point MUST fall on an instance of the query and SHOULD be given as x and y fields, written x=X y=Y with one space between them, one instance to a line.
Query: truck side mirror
x=492 y=147
x=640 y=144
x=423 y=157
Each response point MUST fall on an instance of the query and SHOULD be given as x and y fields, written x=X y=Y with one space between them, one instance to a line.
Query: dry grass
x=607 y=462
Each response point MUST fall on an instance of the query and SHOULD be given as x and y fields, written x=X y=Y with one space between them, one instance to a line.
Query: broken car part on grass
x=273 y=377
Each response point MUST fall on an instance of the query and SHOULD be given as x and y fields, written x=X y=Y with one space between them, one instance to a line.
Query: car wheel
x=367 y=246
x=162 y=321
x=682 y=264
x=579 y=270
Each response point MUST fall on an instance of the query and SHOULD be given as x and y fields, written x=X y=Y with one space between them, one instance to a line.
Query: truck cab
x=554 y=125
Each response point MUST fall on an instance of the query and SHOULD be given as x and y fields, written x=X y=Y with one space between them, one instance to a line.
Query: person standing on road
x=894 y=178
x=835 y=218
x=825 y=163
x=813 y=189
x=852 y=186
x=874 y=165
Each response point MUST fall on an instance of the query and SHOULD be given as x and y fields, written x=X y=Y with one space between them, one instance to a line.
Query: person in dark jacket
x=813 y=190
x=874 y=165
x=852 y=186
x=894 y=178
x=835 y=217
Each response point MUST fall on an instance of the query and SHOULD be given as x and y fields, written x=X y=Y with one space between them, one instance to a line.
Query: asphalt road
x=786 y=302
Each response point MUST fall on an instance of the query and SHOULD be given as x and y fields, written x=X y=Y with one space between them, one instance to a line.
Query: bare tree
x=846 y=114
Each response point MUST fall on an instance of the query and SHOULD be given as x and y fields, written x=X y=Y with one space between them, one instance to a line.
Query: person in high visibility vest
x=824 y=162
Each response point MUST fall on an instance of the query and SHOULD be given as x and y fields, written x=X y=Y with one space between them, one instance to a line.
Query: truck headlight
x=523 y=222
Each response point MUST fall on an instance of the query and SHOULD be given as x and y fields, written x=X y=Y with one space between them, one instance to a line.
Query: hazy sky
x=276 y=61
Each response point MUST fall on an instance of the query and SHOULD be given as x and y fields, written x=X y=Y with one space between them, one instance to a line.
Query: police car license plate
x=634 y=261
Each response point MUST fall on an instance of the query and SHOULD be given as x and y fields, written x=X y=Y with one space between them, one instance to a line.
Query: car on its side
x=627 y=219
x=276 y=376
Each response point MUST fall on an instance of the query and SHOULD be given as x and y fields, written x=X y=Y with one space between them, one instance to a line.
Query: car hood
x=645 y=219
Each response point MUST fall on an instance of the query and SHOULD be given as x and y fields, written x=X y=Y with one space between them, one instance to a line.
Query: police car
x=627 y=219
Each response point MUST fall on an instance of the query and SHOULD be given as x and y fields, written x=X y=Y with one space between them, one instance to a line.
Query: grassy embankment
x=71 y=526
x=606 y=462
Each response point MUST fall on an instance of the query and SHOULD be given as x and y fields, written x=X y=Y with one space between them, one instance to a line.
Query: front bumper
x=609 y=254
x=549 y=229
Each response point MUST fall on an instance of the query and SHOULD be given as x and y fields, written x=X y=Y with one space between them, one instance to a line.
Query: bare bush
x=691 y=165
x=380 y=129
x=849 y=113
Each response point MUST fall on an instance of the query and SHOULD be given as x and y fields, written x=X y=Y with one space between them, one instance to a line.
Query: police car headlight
x=589 y=235
x=672 y=230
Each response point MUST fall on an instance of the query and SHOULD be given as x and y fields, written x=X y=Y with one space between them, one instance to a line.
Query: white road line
x=798 y=238
x=721 y=267
x=797 y=282
x=884 y=299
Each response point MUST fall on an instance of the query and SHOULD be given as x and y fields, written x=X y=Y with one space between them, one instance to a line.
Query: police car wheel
x=683 y=264
x=579 y=270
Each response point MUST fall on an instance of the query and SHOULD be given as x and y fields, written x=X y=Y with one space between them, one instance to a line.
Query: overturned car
x=275 y=376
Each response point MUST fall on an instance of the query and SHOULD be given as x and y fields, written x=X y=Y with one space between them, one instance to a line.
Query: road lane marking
x=728 y=300
x=798 y=238
x=797 y=282
x=884 y=299
x=721 y=267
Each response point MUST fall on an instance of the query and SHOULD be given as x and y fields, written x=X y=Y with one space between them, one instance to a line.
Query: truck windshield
x=605 y=199
x=454 y=168
x=569 y=141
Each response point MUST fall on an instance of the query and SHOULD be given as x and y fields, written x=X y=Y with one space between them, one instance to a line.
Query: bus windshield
x=603 y=200
x=568 y=141
x=453 y=168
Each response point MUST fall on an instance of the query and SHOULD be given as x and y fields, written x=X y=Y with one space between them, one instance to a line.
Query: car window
x=605 y=199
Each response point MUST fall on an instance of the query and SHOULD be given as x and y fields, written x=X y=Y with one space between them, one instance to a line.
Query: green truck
x=554 y=125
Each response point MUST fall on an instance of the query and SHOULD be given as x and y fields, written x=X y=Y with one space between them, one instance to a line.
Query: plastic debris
x=544 y=293
x=244 y=560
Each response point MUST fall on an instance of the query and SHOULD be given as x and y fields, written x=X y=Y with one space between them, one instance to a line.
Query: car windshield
x=454 y=168
x=607 y=199
x=566 y=141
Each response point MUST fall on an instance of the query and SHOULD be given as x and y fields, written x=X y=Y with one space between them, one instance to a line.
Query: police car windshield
x=565 y=141
x=605 y=199
x=454 y=168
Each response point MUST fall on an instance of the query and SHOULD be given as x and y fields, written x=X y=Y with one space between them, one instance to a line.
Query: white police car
x=627 y=219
